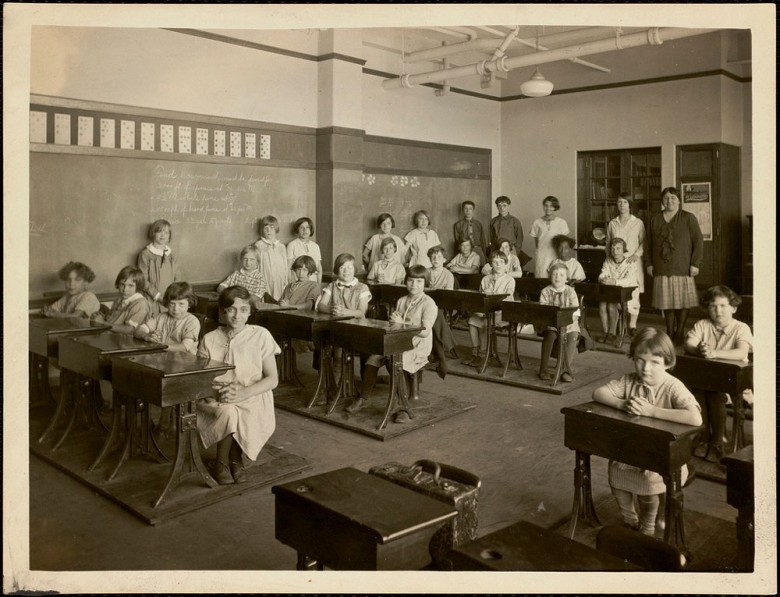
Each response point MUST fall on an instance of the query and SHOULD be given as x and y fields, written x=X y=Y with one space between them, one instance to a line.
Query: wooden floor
x=513 y=441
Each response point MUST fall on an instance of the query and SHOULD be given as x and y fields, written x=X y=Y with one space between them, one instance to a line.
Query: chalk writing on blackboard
x=181 y=195
x=38 y=228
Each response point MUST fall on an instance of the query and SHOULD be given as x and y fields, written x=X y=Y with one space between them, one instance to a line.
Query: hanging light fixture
x=537 y=85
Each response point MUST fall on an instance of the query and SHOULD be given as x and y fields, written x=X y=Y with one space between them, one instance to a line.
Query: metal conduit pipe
x=654 y=36
x=483 y=43
x=500 y=50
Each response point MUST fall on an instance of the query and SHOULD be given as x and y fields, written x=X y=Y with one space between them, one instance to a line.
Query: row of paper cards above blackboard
x=127 y=140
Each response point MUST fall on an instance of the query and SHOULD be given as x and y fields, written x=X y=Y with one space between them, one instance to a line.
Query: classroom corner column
x=339 y=145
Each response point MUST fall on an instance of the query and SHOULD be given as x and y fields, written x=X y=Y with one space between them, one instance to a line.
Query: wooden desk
x=310 y=326
x=263 y=314
x=604 y=293
x=652 y=444
x=174 y=379
x=468 y=281
x=719 y=375
x=387 y=294
x=474 y=301
x=525 y=546
x=349 y=520
x=84 y=361
x=91 y=358
x=740 y=491
x=373 y=336
x=540 y=316
x=44 y=336
x=530 y=288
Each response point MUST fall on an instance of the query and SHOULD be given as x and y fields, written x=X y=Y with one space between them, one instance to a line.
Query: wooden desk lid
x=388 y=327
x=596 y=409
x=381 y=507
x=55 y=325
x=172 y=364
x=115 y=343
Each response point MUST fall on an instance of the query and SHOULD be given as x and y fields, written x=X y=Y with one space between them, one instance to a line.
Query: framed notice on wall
x=697 y=199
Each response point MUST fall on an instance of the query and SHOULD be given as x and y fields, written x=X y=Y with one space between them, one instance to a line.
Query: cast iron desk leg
x=583 y=496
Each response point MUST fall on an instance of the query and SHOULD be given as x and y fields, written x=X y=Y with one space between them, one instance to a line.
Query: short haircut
x=627 y=197
x=303 y=220
x=341 y=260
x=500 y=241
x=419 y=271
x=468 y=202
x=671 y=191
x=387 y=241
x=720 y=291
x=556 y=266
x=250 y=249
x=179 y=291
x=82 y=271
x=465 y=239
x=382 y=217
x=228 y=296
x=654 y=341
x=552 y=200
x=499 y=255
x=418 y=213
x=269 y=220
x=503 y=199
x=304 y=261
x=159 y=225
x=617 y=241
x=131 y=273
x=560 y=239
x=437 y=249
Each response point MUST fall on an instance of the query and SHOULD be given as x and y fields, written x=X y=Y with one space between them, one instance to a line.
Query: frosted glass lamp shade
x=536 y=86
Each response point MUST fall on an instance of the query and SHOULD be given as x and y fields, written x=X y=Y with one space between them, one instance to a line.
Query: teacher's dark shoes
x=238 y=472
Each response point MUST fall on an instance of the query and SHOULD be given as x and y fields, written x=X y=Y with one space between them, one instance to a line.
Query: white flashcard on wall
x=127 y=134
x=37 y=127
x=62 y=129
x=107 y=132
x=86 y=131
x=147 y=136
x=235 y=144
x=265 y=147
x=249 y=145
x=219 y=142
x=166 y=137
x=202 y=141
x=185 y=139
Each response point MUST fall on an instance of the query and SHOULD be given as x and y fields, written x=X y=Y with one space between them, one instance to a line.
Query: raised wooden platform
x=528 y=376
x=141 y=480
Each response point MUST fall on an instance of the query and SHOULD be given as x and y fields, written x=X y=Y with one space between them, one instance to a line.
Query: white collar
x=247 y=272
x=134 y=297
x=341 y=284
x=268 y=242
x=159 y=252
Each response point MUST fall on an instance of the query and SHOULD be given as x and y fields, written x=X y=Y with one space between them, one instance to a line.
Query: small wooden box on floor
x=349 y=520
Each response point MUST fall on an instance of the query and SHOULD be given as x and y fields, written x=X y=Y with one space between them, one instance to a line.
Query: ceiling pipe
x=500 y=50
x=655 y=36
x=603 y=69
x=481 y=44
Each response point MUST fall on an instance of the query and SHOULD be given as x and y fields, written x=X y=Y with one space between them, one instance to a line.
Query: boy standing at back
x=468 y=227
x=507 y=226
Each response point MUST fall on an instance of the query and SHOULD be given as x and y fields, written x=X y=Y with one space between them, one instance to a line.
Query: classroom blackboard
x=97 y=209
x=403 y=195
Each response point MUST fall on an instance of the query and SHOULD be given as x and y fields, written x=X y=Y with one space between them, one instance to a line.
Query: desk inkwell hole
x=303 y=488
x=490 y=554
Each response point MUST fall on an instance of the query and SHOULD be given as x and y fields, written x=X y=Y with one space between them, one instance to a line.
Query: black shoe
x=238 y=471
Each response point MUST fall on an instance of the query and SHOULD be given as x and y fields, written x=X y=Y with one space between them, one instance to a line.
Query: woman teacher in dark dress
x=675 y=248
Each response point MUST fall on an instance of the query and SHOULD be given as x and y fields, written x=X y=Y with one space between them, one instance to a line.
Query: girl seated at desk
x=415 y=308
x=651 y=392
x=497 y=282
x=719 y=337
x=559 y=294
x=77 y=300
x=564 y=251
x=131 y=308
x=466 y=261
x=387 y=270
x=372 y=250
x=513 y=268
x=440 y=277
x=249 y=275
x=239 y=418
x=177 y=328
x=301 y=293
x=617 y=271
